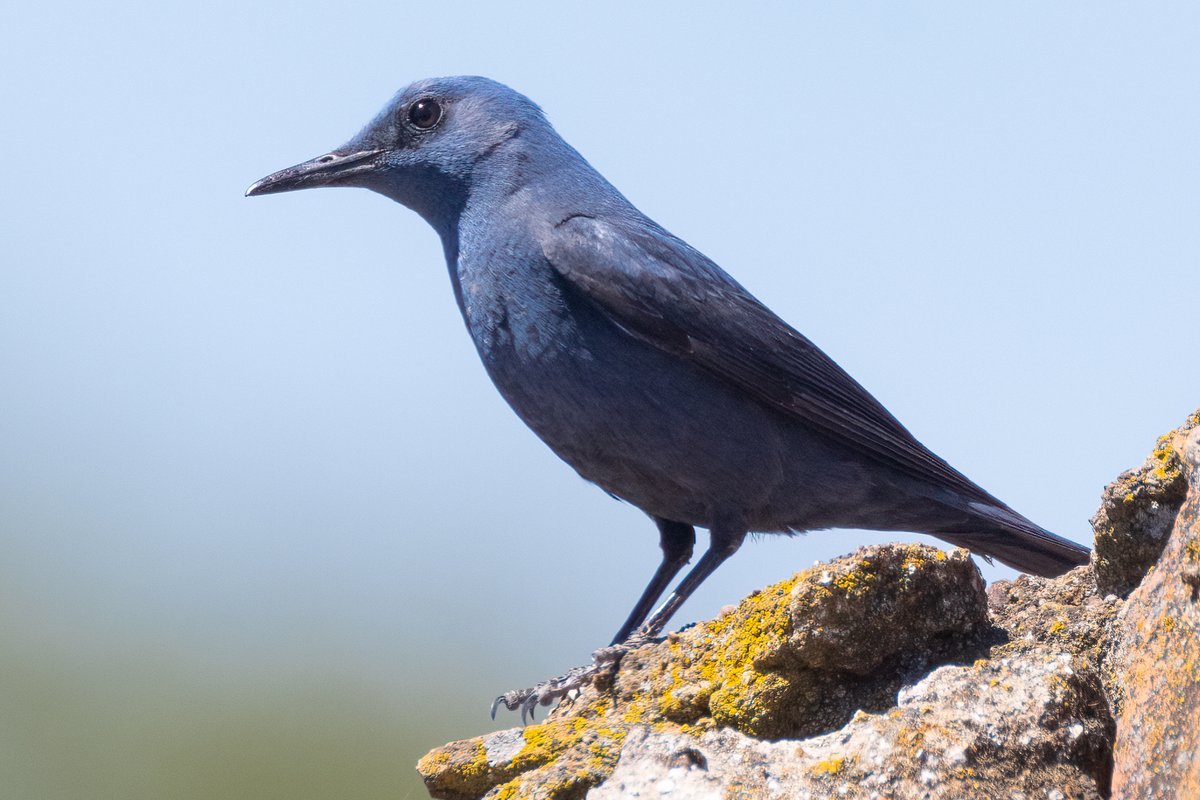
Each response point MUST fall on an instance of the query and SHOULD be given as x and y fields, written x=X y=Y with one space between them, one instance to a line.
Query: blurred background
x=267 y=531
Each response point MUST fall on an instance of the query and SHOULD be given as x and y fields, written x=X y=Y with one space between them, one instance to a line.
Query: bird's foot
x=566 y=687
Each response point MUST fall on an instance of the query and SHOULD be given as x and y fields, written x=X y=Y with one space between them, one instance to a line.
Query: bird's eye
x=425 y=113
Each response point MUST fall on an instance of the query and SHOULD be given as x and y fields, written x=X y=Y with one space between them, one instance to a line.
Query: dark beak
x=331 y=169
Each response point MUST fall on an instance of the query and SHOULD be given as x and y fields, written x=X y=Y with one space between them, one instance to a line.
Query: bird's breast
x=635 y=420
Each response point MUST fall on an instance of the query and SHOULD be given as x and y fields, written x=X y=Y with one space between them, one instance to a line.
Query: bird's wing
x=658 y=288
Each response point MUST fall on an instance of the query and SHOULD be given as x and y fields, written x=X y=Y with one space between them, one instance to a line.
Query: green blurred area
x=78 y=725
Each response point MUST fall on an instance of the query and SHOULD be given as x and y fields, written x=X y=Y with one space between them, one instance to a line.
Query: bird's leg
x=676 y=541
x=723 y=543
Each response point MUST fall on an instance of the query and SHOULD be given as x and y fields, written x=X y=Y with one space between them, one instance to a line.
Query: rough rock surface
x=890 y=673
x=957 y=733
x=1137 y=512
x=1155 y=665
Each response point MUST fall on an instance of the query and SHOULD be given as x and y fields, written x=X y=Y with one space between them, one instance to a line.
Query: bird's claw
x=563 y=688
x=546 y=692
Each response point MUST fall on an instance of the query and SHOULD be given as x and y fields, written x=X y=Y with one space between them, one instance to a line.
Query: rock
x=1155 y=664
x=1064 y=615
x=795 y=659
x=1136 y=514
x=960 y=732
x=890 y=673
x=556 y=759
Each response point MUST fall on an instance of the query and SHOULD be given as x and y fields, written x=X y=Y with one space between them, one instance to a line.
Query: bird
x=644 y=365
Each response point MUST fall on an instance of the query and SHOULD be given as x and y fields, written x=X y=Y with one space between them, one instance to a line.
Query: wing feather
x=657 y=287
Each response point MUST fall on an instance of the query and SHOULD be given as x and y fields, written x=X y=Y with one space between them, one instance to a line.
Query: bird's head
x=423 y=148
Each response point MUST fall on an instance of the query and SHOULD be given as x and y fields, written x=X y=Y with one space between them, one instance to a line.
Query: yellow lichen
x=829 y=766
x=462 y=767
x=735 y=643
x=545 y=742
x=437 y=758
x=857 y=579
x=560 y=756
x=507 y=791
x=1192 y=548
x=478 y=765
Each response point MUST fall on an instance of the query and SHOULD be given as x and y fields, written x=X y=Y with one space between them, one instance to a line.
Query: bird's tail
x=1013 y=540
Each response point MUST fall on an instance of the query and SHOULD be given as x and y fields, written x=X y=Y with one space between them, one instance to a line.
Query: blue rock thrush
x=641 y=363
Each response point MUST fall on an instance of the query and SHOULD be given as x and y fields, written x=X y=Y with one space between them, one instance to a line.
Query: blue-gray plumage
x=640 y=362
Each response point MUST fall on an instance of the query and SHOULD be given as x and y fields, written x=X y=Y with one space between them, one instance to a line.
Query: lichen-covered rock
x=557 y=759
x=798 y=658
x=1137 y=512
x=802 y=656
x=1155 y=666
x=1031 y=725
x=889 y=673
x=1065 y=614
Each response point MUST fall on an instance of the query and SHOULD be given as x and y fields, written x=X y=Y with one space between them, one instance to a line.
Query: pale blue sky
x=250 y=438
